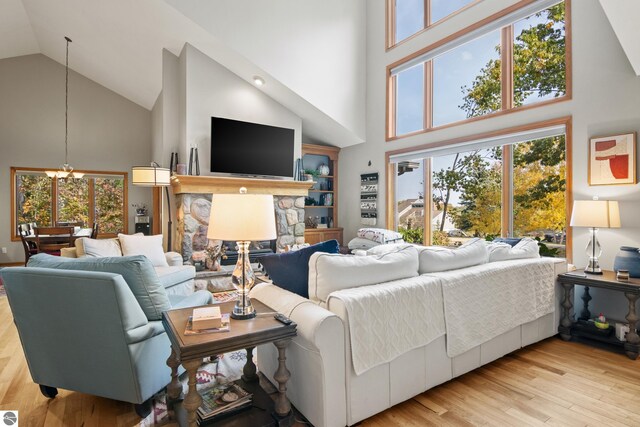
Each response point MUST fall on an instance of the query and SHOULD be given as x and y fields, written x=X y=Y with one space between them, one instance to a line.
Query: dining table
x=78 y=233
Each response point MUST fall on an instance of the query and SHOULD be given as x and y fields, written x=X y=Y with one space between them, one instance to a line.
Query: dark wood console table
x=189 y=350
x=569 y=328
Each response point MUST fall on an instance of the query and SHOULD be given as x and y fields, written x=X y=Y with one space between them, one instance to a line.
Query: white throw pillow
x=385 y=249
x=333 y=272
x=525 y=248
x=95 y=248
x=149 y=246
x=380 y=235
x=436 y=258
x=360 y=243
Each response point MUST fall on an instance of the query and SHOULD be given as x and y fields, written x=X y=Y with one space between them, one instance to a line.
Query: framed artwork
x=612 y=160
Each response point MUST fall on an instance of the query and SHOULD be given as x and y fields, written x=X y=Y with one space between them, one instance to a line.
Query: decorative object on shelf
x=310 y=201
x=155 y=176
x=311 y=174
x=327 y=199
x=181 y=169
x=595 y=214
x=323 y=169
x=298 y=171
x=310 y=222
x=628 y=259
x=199 y=260
x=369 y=198
x=244 y=218
x=66 y=170
x=612 y=160
x=330 y=221
x=141 y=209
x=215 y=253
x=601 y=322
x=173 y=165
x=194 y=161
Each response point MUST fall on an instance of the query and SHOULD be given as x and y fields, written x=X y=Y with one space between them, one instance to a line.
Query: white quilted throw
x=484 y=301
x=389 y=319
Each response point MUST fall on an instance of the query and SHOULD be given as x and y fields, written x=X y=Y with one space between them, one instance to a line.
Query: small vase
x=213 y=265
x=628 y=259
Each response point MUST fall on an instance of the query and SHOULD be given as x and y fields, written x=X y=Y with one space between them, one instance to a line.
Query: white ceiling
x=623 y=16
x=118 y=44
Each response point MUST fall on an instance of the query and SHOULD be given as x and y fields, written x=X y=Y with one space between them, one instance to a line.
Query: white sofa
x=177 y=279
x=324 y=385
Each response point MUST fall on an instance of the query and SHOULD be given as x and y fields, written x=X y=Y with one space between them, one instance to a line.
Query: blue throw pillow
x=290 y=270
x=512 y=241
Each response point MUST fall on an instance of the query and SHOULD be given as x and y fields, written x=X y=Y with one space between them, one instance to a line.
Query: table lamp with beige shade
x=595 y=214
x=244 y=218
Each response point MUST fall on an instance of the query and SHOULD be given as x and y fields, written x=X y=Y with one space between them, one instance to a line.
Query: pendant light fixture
x=66 y=170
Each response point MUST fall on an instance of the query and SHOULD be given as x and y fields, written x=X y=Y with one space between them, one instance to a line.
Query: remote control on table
x=282 y=318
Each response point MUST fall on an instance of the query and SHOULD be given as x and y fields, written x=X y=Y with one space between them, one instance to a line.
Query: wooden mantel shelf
x=184 y=184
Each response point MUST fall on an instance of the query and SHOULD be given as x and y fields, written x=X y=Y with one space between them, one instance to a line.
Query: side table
x=190 y=350
x=569 y=328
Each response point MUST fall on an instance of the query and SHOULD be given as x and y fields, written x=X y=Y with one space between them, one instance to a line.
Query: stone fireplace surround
x=193 y=203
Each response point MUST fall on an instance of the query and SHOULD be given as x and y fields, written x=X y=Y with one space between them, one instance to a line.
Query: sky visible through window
x=410 y=14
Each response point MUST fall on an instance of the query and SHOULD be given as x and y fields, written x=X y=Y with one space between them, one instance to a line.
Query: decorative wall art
x=369 y=198
x=612 y=160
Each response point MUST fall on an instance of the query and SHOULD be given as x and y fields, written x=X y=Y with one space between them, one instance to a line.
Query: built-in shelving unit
x=324 y=192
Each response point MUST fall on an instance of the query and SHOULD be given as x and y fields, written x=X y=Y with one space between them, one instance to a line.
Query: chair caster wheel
x=143 y=409
x=49 y=392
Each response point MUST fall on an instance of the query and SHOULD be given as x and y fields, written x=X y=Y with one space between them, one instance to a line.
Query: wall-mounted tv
x=243 y=148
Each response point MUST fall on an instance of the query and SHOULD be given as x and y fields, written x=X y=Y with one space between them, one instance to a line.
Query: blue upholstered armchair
x=85 y=331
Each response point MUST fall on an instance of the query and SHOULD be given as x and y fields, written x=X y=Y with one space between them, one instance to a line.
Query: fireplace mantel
x=190 y=184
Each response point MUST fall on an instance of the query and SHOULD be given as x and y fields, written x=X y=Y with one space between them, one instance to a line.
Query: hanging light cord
x=66 y=106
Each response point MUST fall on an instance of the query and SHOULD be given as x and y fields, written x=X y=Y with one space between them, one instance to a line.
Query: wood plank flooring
x=549 y=383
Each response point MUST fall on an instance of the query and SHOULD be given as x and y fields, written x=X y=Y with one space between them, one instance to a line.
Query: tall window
x=516 y=188
x=513 y=61
x=409 y=17
x=96 y=198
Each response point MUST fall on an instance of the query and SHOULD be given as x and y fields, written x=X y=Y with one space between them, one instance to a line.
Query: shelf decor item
x=323 y=169
x=628 y=259
x=369 y=199
x=612 y=160
x=595 y=214
x=244 y=218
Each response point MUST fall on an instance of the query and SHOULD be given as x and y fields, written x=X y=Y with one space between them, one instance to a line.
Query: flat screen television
x=243 y=148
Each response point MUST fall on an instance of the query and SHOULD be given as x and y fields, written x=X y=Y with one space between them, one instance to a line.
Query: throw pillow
x=380 y=235
x=511 y=241
x=436 y=258
x=100 y=248
x=137 y=271
x=333 y=272
x=149 y=246
x=290 y=270
x=360 y=243
x=525 y=248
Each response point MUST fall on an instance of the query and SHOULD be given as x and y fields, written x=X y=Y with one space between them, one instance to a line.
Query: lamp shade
x=150 y=176
x=595 y=214
x=242 y=217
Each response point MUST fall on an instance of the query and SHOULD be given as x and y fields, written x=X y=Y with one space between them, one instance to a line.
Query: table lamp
x=155 y=176
x=244 y=218
x=595 y=214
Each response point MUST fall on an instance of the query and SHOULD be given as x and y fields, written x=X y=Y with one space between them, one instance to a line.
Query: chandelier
x=66 y=170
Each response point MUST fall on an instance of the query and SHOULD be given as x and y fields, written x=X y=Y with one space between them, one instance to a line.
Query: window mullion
x=428 y=95
x=54 y=201
x=92 y=202
x=428 y=205
x=427 y=13
x=506 y=70
x=506 y=229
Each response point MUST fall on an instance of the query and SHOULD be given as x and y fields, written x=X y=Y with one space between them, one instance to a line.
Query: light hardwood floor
x=550 y=383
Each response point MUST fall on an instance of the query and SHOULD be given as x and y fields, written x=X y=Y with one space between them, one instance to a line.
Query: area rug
x=229 y=368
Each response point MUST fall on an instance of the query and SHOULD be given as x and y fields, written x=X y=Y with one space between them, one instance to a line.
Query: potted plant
x=311 y=174
x=214 y=254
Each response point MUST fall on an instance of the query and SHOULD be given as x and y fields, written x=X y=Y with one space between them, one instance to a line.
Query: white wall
x=106 y=131
x=316 y=48
x=212 y=90
x=605 y=100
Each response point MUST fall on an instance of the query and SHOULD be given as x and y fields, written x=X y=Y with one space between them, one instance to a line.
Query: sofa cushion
x=511 y=241
x=195 y=299
x=149 y=246
x=437 y=258
x=290 y=270
x=100 y=247
x=136 y=270
x=360 y=243
x=171 y=276
x=525 y=248
x=333 y=272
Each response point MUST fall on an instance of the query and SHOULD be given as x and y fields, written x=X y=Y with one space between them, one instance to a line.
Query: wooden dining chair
x=51 y=239
x=29 y=246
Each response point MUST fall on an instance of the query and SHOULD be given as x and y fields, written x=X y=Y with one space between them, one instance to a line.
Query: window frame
x=54 y=202
x=507 y=206
x=390 y=22
x=506 y=76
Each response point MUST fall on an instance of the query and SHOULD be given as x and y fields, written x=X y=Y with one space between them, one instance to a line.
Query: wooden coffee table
x=189 y=351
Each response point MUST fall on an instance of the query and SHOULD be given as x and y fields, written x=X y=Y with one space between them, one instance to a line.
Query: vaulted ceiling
x=623 y=16
x=118 y=44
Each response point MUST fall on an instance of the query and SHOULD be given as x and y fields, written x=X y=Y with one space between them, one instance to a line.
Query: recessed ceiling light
x=258 y=81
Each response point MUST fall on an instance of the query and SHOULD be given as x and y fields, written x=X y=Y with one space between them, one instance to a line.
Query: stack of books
x=223 y=400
